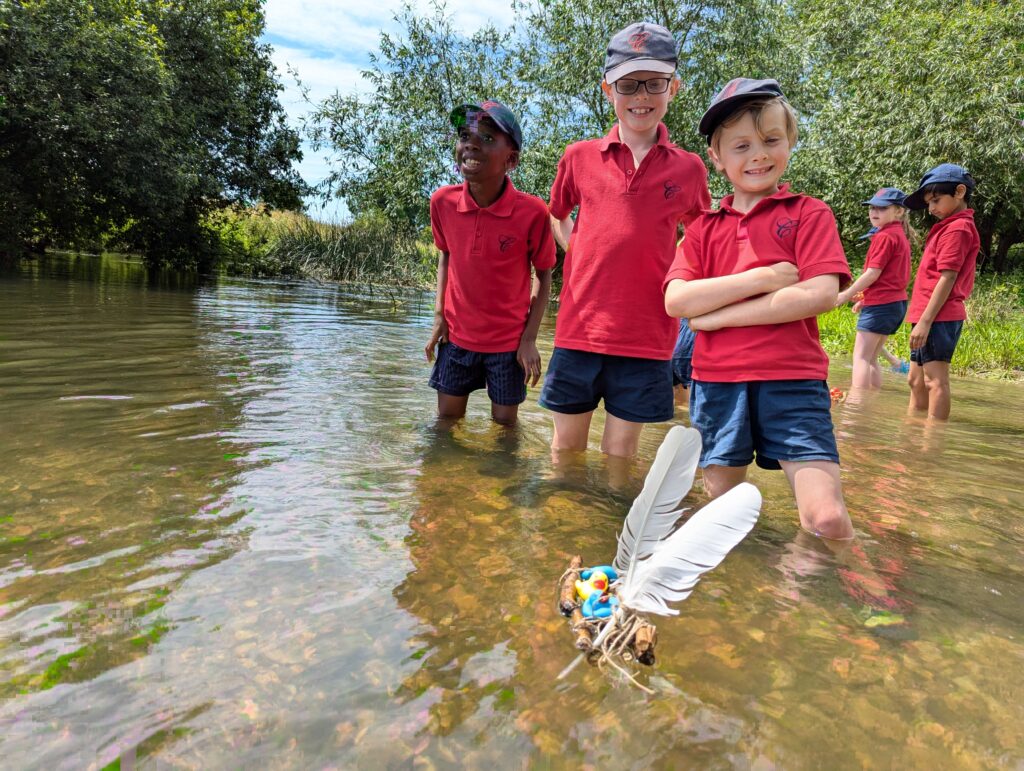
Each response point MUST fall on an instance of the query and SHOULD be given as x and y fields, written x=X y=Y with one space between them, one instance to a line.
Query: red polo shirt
x=952 y=244
x=890 y=253
x=786 y=227
x=623 y=242
x=487 y=300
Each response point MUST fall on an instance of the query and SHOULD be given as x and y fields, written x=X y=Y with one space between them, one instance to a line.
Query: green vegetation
x=992 y=344
x=128 y=123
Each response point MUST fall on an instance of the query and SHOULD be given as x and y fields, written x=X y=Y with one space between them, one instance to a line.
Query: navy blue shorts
x=941 y=342
x=638 y=390
x=682 y=356
x=773 y=420
x=884 y=319
x=458 y=372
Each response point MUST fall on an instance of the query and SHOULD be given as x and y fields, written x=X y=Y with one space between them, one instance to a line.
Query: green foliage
x=137 y=115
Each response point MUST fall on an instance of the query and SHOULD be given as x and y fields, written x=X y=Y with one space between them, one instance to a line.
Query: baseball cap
x=736 y=92
x=944 y=172
x=638 y=47
x=886 y=196
x=496 y=111
x=871 y=231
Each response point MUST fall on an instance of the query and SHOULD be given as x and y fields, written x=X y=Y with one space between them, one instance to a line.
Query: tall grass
x=992 y=343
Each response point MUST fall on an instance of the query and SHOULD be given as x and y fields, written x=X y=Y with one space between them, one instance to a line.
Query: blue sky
x=329 y=42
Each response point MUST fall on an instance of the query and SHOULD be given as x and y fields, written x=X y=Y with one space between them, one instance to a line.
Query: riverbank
x=373 y=251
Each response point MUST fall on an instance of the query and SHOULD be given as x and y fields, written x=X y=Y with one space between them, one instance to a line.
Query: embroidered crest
x=638 y=41
x=671 y=188
x=504 y=242
x=785 y=227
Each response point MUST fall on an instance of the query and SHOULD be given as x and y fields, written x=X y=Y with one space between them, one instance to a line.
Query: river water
x=232 y=535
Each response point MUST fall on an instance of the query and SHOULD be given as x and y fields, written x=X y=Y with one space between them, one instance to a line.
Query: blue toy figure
x=599 y=605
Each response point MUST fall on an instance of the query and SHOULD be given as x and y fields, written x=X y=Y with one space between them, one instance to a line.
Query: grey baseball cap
x=639 y=47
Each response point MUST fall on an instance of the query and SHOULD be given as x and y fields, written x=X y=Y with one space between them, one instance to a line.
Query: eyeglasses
x=628 y=86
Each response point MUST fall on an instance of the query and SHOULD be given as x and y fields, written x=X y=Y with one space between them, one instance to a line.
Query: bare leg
x=936 y=381
x=894 y=361
x=505 y=414
x=571 y=431
x=721 y=479
x=918 y=390
x=866 y=372
x=451 y=407
x=682 y=395
x=819 y=498
x=621 y=437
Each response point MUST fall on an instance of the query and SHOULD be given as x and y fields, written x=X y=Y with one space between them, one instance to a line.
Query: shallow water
x=231 y=535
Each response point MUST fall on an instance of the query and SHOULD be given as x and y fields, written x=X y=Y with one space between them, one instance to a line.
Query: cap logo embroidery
x=785 y=227
x=671 y=188
x=881 y=191
x=488 y=104
x=729 y=89
x=638 y=41
x=504 y=242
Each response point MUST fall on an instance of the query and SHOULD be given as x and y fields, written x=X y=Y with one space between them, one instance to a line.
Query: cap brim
x=719 y=112
x=867 y=235
x=881 y=202
x=915 y=200
x=639 y=65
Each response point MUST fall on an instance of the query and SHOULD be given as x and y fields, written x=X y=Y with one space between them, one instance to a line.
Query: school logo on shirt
x=785 y=227
x=504 y=242
x=638 y=40
x=671 y=188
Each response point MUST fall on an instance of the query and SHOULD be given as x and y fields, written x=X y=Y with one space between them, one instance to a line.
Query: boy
x=752 y=277
x=485 y=315
x=944 y=280
x=633 y=187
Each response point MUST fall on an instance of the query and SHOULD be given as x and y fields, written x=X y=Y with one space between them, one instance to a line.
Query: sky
x=329 y=42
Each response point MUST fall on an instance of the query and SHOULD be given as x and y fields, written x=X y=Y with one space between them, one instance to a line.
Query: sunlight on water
x=231 y=535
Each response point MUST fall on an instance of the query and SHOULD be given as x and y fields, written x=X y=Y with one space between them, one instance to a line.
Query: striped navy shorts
x=459 y=372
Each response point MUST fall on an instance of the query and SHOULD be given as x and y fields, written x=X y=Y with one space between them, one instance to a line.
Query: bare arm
x=562 y=230
x=866 y=279
x=528 y=356
x=705 y=295
x=792 y=303
x=919 y=334
x=439 y=331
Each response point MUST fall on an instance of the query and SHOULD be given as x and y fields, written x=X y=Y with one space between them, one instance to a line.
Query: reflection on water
x=231 y=534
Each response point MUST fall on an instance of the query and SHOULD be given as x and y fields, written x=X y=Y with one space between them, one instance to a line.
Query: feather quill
x=675 y=566
x=654 y=512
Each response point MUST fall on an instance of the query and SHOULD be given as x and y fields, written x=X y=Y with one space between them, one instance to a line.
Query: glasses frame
x=620 y=81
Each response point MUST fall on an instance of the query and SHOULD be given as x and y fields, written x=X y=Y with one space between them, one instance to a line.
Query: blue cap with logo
x=496 y=111
x=886 y=196
x=944 y=172
x=736 y=92
x=871 y=231
x=640 y=47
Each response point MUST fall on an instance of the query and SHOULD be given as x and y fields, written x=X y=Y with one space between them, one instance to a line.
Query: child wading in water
x=486 y=315
x=751 y=278
x=944 y=281
x=633 y=187
x=883 y=285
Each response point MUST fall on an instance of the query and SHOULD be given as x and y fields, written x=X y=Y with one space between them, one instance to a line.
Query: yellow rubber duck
x=598 y=582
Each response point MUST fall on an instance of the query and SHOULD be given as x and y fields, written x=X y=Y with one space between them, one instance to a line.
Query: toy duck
x=595 y=580
x=599 y=605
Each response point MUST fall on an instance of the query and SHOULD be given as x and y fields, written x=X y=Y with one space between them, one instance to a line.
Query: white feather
x=675 y=565
x=654 y=512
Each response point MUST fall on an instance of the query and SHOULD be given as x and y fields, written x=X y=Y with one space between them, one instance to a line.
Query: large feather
x=675 y=565
x=654 y=512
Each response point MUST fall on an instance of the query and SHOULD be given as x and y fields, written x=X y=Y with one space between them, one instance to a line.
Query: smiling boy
x=633 y=187
x=752 y=277
x=486 y=315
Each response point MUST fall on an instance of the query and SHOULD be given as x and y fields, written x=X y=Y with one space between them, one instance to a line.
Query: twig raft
x=567 y=595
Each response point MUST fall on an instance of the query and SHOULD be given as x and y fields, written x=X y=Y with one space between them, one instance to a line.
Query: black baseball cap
x=886 y=196
x=736 y=92
x=640 y=46
x=944 y=172
x=496 y=111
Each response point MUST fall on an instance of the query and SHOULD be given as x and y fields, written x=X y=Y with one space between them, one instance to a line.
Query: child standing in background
x=944 y=281
x=883 y=285
x=633 y=187
x=486 y=315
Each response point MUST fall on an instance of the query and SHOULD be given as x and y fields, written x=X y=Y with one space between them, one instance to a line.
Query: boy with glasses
x=633 y=187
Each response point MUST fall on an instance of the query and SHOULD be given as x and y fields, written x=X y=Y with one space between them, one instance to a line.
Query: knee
x=830 y=520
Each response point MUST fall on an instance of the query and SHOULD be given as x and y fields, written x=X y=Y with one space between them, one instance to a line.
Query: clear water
x=231 y=535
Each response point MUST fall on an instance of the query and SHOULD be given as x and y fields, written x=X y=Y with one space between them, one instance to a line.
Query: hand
x=919 y=334
x=842 y=298
x=779 y=275
x=529 y=359
x=857 y=306
x=438 y=334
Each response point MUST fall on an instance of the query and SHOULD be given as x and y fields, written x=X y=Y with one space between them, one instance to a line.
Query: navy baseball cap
x=736 y=92
x=944 y=172
x=638 y=47
x=871 y=232
x=886 y=196
x=496 y=111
